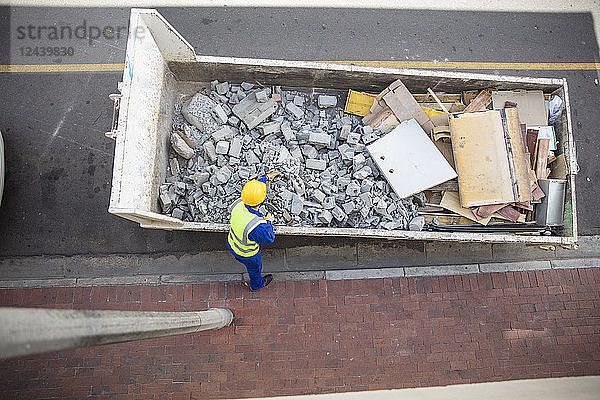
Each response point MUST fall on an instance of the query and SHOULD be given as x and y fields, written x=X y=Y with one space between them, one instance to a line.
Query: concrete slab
x=439 y=270
x=364 y=274
x=515 y=266
x=576 y=263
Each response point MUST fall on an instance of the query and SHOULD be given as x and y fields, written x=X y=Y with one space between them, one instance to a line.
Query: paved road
x=59 y=162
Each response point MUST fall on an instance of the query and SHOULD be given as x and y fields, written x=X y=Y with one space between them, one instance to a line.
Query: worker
x=248 y=230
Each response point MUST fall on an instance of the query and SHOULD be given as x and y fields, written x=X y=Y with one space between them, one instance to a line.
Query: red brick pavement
x=326 y=336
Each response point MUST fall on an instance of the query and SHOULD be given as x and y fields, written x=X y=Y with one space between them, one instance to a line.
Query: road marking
x=540 y=66
x=446 y=65
x=62 y=68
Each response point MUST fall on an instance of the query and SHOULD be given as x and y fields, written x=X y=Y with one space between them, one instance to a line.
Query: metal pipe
x=35 y=330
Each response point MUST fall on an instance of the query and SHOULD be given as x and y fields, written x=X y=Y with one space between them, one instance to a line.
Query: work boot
x=268 y=279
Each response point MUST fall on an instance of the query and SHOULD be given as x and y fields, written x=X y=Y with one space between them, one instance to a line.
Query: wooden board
x=409 y=160
x=479 y=102
x=486 y=175
x=518 y=157
x=530 y=103
x=541 y=162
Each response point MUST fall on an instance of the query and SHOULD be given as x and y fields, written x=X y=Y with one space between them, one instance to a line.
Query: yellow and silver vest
x=241 y=224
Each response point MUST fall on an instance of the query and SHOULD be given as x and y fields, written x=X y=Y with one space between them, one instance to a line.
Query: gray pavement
x=60 y=164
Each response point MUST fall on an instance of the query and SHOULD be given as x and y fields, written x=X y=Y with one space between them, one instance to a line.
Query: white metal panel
x=409 y=160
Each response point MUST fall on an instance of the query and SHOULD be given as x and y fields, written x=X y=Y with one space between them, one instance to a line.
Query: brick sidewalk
x=325 y=336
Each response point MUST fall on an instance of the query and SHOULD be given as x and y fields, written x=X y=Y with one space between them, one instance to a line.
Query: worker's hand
x=272 y=174
x=269 y=217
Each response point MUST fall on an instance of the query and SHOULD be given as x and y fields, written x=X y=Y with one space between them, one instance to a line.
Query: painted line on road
x=446 y=65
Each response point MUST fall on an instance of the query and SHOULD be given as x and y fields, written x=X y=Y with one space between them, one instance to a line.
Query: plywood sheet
x=490 y=158
x=409 y=160
x=481 y=159
x=530 y=104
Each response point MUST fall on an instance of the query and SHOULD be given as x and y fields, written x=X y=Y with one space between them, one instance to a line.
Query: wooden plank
x=479 y=102
x=437 y=100
x=518 y=160
x=512 y=214
x=541 y=162
x=530 y=103
x=481 y=158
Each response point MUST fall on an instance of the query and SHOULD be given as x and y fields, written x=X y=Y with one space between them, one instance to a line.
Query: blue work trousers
x=254 y=266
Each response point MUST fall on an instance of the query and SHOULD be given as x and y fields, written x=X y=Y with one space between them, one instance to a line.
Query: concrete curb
x=347 y=274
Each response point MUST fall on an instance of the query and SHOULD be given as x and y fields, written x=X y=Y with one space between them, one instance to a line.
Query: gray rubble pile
x=228 y=134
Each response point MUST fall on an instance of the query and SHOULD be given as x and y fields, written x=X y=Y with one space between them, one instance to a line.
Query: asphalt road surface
x=60 y=164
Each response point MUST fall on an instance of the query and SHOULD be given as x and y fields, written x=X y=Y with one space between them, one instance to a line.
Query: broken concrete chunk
x=200 y=177
x=309 y=151
x=177 y=213
x=224 y=133
x=345 y=131
x=262 y=96
x=348 y=207
x=329 y=202
x=222 y=88
x=270 y=127
x=325 y=101
x=287 y=131
x=325 y=217
x=358 y=160
x=174 y=165
x=233 y=120
x=197 y=111
x=219 y=114
x=338 y=213
x=294 y=110
x=297 y=204
x=252 y=158
x=313 y=163
x=236 y=147
x=246 y=85
x=251 y=112
x=222 y=147
x=352 y=189
x=366 y=199
x=417 y=223
x=165 y=202
x=318 y=195
x=284 y=154
x=362 y=173
x=209 y=151
x=181 y=147
x=299 y=100
x=319 y=139
x=223 y=174
x=353 y=138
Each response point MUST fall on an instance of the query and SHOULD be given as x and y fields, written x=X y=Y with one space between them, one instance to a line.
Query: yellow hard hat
x=254 y=193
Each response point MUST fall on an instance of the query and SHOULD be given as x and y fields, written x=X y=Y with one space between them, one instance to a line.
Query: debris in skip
x=470 y=161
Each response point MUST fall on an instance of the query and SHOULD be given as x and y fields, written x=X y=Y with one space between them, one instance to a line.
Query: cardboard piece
x=450 y=201
x=398 y=99
x=559 y=168
x=530 y=104
x=359 y=103
x=409 y=160
x=490 y=158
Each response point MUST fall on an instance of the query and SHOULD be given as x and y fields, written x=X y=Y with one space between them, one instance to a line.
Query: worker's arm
x=263 y=234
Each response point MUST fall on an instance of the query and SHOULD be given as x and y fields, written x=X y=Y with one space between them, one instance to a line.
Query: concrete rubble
x=229 y=133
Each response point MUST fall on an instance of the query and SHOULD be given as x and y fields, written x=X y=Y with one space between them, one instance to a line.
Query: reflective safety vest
x=241 y=224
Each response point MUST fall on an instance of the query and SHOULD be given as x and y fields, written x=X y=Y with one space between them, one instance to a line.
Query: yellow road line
x=447 y=65
x=62 y=68
x=544 y=66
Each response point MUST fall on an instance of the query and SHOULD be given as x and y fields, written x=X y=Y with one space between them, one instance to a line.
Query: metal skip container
x=159 y=62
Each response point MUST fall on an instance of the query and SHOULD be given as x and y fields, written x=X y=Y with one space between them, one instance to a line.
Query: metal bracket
x=116 y=98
